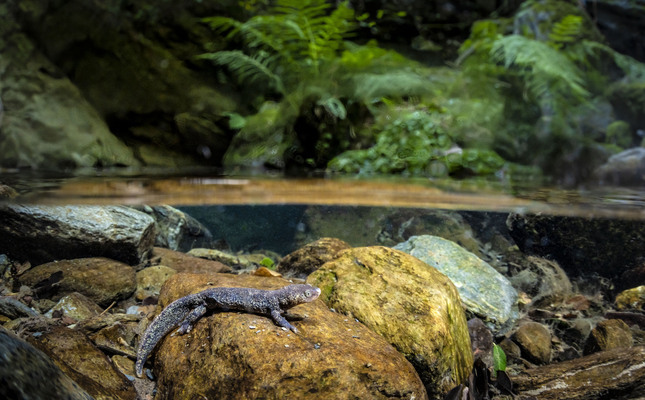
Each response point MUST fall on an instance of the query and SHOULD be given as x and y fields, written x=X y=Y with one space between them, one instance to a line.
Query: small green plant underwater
x=499 y=359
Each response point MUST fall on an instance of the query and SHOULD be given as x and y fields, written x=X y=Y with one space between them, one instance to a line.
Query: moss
x=619 y=133
x=325 y=280
x=628 y=100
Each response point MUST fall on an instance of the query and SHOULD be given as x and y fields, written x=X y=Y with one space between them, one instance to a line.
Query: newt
x=184 y=311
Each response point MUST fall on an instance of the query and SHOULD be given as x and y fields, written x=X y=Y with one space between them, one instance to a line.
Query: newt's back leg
x=194 y=315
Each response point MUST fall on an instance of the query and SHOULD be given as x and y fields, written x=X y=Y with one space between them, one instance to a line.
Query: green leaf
x=499 y=359
x=267 y=262
x=235 y=120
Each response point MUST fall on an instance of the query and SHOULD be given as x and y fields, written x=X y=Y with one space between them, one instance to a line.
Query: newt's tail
x=167 y=320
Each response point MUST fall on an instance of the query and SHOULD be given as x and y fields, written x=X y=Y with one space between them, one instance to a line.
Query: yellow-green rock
x=631 y=299
x=412 y=305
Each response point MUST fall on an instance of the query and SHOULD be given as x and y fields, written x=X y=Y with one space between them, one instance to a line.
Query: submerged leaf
x=499 y=359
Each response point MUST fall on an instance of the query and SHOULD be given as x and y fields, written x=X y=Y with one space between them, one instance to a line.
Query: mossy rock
x=412 y=305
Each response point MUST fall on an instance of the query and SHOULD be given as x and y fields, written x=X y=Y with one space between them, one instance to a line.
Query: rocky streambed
x=412 y=307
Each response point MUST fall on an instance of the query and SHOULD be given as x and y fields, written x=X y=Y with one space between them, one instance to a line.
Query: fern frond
x=546 y=70
x=567 y=30
x=373 y=87
x=306 y=8
x=250 y=32
x=247 y=69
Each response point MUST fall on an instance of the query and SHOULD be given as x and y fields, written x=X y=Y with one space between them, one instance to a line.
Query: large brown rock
x=412 y=305
x=41 y=234
x=232 y=355
x=101 y=279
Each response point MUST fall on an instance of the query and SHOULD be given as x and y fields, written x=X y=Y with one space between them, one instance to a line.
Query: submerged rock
x=13 y=308
x=310 y=257
x=182 y=262
x=481 y=341
x=177 y=230
x=101 y=279
x=631 y=299
x=82 y=361
x=27 y=373
x=238 y=262
x=150 y=280
x=239 y=355
x=615 y=374
x=542 y=279
x=42 y=234
x=534 y=340
x=76 y=306
x=366 y=226
x=485 y=292
x=412 y=305
x=609 y=334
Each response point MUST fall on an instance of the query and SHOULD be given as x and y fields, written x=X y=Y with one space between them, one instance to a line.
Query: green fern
x=566 y=31
x=248 y=69
x=251 y=33
x=547 y=71
x=301 y=35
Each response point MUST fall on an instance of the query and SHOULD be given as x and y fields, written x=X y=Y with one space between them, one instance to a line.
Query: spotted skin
x=185 y=311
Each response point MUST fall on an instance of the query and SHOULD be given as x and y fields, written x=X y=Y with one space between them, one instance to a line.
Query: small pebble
x=252 y=326
x=286 y=345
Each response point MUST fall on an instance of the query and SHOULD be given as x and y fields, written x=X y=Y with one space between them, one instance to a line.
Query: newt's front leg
x=279 y=320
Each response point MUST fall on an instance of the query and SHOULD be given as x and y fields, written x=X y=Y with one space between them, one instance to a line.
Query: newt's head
x=293 y=295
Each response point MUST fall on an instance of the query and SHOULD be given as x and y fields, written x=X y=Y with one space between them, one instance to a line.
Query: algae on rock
x=414 y=307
